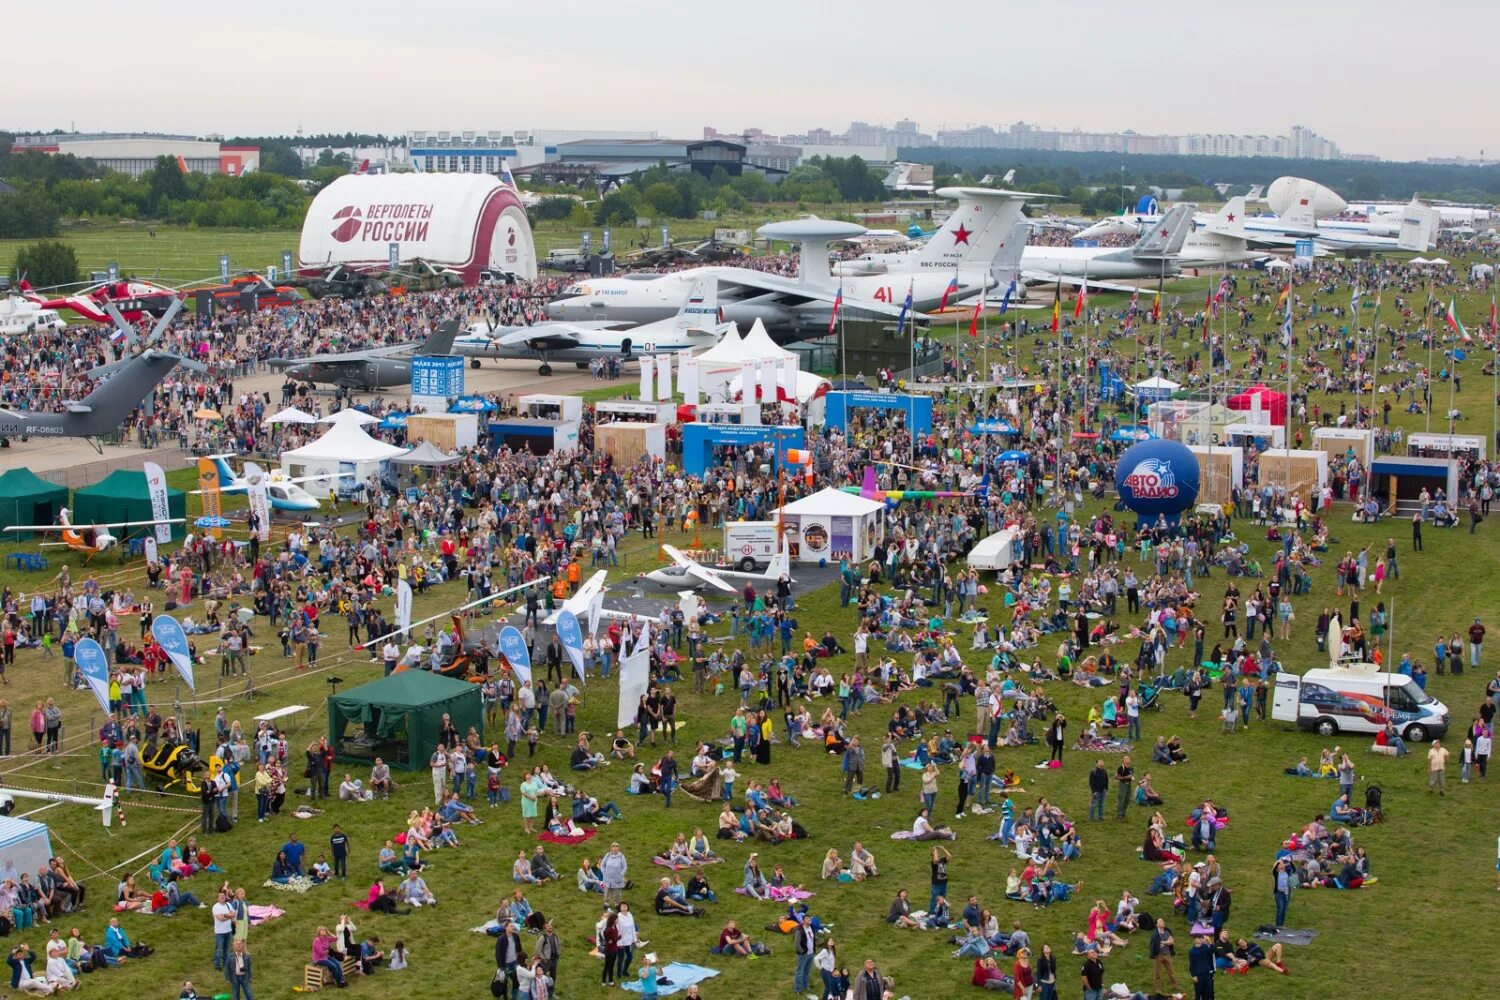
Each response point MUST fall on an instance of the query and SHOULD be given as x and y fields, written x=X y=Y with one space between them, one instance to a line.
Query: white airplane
x=1154 y=255
x=960 y=253
x=696 y=324
x=90 y=539
x=686 y=573
x=588 y=603
x=284 y=492
x=1298 y=224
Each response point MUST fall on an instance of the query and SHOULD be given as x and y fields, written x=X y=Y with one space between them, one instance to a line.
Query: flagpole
x=1495 y=379
x=1427 y=326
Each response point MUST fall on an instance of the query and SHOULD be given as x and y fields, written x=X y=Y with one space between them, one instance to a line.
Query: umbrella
x=1130 y=434
x=1012 y=456
x=206 y=414
x=394 y=421
x=992 y=427
x=212 y=521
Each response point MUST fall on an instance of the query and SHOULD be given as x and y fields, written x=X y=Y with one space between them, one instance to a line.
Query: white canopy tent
x=831 y=525
x=345 y=452
x=290 y=415
x=722 y=363
x=359 y=418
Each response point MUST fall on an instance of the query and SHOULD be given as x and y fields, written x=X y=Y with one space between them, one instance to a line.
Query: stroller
x=1150 y=692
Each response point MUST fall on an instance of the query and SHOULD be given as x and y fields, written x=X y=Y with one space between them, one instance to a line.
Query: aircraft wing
x=554 y=335
x=86 y=525
x=1074 y=281
x=794 y=292
x=693 y=569
x=347 y=357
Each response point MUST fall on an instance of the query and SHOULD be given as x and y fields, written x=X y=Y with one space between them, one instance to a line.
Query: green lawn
x=1435 y=859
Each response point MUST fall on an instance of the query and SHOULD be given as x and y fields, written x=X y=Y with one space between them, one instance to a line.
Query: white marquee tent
x=832 y=525
x=345 y=451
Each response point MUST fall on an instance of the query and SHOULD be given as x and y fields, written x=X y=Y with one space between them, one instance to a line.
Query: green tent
x=26 y=498
x=124 y=496
x=398 y=717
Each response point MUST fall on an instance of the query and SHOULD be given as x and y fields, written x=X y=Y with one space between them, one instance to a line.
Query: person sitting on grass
x=900 y=912
x=584 y=759
x=668 y=905
x=541 y=867
x=413 y=891
x=700 y=848
x=699 y=889
x=589 y=877
x=389 y=861
x=282 y=871
x=520 y=870
x=1255 y=956
x=922 y=829
x=733 y=941
x=620 y=747
x=455 y=809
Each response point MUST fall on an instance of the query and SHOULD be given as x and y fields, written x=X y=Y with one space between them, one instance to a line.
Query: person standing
x=1133 y=715
x=1163 y=947
x=1056 y=733
x=237 y=972
x=1437 y=769
x=612 y=870
x=1416 y=531
x=1476 y=642
x=1281 y=881
x=1201 y=967
x=439 y=765
x=338 y=843
x=890 y=756
x=223 y=915
x=854 y=765
x=1092 y=974
x=1098 y=786
x=1124 y=783
x=806 y=946
x=940 y=858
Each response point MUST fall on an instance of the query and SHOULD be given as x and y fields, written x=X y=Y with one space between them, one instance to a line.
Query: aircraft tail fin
x=1411 y=235
x=440 y=341
x=112 y=401
x=1007 y=262
x=975 y=232
x=1299 y=215
x=1434 y=222
x=781 y=562
x=1229 y=220
x=226 y=474
x=1257 y=192
x=701 y=307
x=364 y=167
x=1166 y=238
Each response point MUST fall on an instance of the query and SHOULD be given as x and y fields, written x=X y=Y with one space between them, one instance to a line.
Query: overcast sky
x=1373 y=76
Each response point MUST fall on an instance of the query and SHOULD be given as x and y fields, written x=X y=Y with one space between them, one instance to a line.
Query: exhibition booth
x=627 y=443
x=345 y=453
x=839 y=406
x=831 y=525
x=706 y=445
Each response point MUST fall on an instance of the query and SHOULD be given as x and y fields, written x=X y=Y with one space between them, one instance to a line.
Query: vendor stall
x=832 y=525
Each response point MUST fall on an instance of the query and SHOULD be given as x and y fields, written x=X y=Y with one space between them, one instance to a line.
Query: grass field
x=182 y=254
x=1434 y=858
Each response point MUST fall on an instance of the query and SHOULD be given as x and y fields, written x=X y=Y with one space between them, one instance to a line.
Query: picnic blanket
x=663 y=862
x=780 y=893
x=547 y=836
x=260 y=914
x=1287 y=935
x=675 y=977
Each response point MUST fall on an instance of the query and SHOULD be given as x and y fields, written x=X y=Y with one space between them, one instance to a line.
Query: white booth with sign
x=634 y=411
x=548 y=407
x=832 y=525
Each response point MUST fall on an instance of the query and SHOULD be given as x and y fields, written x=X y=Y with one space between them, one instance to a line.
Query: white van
x=749 y=545
x=1356 y=697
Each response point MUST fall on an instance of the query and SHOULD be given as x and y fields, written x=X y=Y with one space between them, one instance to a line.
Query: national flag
x=1156 y=308
x=1286 y=330
x=1082 y=300
x=1454 y=324
x=1354 y=302
x=116 y=335
x=506 y=177
x=1493 y=330
x=1210 y=307
x=906 y=308
x=838 y=302
x=1056 y=315
x=952 y=287
x=974 y=318
x=1010 y=290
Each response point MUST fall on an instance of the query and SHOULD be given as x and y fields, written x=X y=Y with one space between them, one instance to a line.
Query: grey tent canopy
x=426 y=453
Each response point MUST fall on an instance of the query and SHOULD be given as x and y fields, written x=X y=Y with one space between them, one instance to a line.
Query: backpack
x=222 y=824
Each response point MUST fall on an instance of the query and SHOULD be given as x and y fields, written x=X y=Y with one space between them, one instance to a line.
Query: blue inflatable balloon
x=1157 y=478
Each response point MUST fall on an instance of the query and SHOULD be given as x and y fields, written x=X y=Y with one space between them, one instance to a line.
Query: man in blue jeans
x=1283 y=891
x=806 y=945
x=1098 y=786
x=223 y=915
